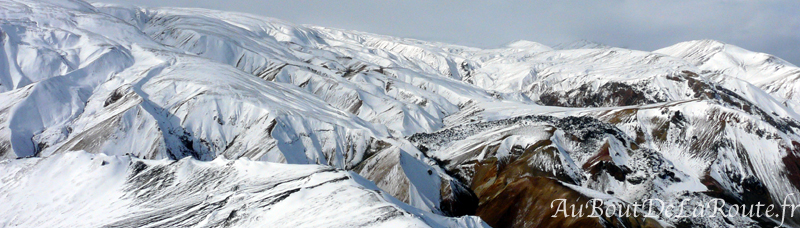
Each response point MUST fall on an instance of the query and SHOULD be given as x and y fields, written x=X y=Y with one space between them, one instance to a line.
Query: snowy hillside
x=768 y=72
x=392 y=131
x=131 y=192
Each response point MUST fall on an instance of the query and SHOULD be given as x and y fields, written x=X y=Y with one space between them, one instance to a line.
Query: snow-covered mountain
x=131 y=192
x=770 y=73
x=374 y=130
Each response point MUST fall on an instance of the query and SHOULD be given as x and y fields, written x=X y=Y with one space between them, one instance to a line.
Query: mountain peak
x=705 y=42
x=760 y=69
x=120 y=102
x=526 y=44
x=700 y=51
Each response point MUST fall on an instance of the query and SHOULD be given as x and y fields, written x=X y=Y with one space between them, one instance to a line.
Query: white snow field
x=124 y=116
x=131 y=192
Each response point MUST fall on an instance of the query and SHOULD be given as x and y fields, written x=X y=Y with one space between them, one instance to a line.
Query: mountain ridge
x=106 y=79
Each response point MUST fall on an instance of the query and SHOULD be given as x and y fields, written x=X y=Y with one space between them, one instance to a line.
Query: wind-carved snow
x=131 y=192
x=688 y=121
x=135 y=96
x=770 y=73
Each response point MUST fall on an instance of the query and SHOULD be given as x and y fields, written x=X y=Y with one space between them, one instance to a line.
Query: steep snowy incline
x=523 y=71
x=152 y=88
x=130 y=192
x=154 y=101
x=447 y=129
x=766 y=71
x=402 y=93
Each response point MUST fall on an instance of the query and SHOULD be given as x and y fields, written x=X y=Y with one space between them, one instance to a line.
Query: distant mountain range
x=122 y=116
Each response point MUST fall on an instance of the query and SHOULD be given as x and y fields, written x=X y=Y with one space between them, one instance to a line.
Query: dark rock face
x=792 y=161
x=458 y=199
x=526 y=202
x=608 y=95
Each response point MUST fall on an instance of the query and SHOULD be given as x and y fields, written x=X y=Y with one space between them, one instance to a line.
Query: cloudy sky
x=771 y=26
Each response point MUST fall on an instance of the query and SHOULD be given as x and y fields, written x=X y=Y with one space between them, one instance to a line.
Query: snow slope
x=414 y=117
x=770 y=73
x=131 y=192
x=132 y=95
